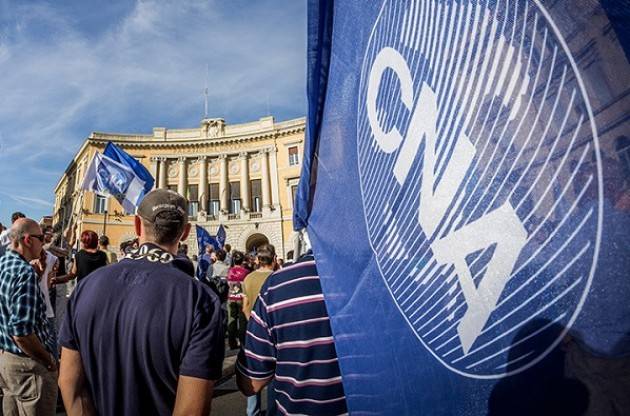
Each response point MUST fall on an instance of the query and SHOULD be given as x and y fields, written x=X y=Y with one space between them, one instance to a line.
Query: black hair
x=266 y=254
x=167 y=227
x=16 y=216
x=238 y=258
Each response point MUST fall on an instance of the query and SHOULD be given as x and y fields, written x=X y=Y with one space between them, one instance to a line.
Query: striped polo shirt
x=289 y=337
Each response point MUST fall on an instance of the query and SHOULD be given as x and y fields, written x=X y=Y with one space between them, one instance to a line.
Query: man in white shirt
x=46 y=267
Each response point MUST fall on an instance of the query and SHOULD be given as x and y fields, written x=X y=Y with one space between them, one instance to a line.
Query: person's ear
x=137 y=222
x=186 y=232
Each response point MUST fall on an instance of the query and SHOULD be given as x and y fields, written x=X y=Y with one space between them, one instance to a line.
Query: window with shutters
x=100 y=204
x=235 y=197
x=293 y=156
x=256 y=195
x=193 y=200
x=213 y=200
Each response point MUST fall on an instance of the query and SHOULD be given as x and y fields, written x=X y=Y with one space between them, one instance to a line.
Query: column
x=264 y=183
x=162 y=168
x=154 y=171
x=203 y=183
x=223 y=183
x=273 y=165
x=181 y=184
x=244 y=181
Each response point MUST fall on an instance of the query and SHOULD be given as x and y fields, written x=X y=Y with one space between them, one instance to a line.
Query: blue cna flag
x=109 y=177
x=204 y=239
x=116 y=153
x=467 y=196
x=221 y=236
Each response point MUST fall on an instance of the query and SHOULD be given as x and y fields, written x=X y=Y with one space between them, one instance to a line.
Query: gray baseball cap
x=162 y=200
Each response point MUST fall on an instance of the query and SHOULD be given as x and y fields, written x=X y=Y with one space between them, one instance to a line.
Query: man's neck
x=22 y=251
x=265 y=268
x=172 y=248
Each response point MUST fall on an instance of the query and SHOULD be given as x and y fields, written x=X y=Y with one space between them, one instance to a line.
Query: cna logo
x=480 y=177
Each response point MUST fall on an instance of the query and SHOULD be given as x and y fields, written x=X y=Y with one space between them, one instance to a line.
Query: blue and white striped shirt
x=22 y=307
x=289 y=338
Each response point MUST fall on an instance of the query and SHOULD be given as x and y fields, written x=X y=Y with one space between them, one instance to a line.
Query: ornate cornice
x=150 y=142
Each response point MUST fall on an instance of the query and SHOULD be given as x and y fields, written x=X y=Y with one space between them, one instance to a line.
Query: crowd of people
x=144 y=331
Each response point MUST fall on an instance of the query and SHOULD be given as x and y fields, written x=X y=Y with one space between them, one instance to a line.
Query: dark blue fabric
x=565 y=174
x=138 y=325
x=120 y=156
x=320 y=19
x=203 y=239
x=221 y=236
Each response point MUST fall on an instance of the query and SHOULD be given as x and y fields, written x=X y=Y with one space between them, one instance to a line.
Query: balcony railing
x=233 y=216
x=255 y=215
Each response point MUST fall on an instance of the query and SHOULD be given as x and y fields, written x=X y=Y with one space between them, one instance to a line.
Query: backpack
x=220 y=287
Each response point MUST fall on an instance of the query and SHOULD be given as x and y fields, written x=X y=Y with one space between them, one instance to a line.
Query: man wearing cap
x=141 y=336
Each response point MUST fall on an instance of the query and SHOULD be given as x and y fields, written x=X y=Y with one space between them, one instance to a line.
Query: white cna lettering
x=500 y=226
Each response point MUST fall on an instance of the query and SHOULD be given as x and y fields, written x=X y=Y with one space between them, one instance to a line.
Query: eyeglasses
x=40 y=237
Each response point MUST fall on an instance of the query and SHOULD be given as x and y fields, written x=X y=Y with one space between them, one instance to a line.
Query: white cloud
x=146 y=69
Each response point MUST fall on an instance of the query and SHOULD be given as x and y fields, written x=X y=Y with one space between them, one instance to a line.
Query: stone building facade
x=243 y=176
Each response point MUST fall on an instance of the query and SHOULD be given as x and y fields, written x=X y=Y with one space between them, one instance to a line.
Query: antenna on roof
x=205 y=94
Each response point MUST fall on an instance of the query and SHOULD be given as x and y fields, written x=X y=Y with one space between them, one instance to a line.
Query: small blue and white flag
x=221 y=236
x=116 y=153
x=109 y=177
x=204 y=239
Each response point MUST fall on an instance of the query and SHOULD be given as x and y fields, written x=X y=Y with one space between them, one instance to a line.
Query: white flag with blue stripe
x=108 y=177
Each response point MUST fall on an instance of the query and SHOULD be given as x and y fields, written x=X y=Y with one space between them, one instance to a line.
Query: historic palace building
x=243 y=176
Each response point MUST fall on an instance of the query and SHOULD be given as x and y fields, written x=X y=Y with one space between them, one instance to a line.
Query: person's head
x=89 y=240
x=209 y=249
x=238 y=258
x=221 y=255
x=227 y=248
x=103 y=241
x=194 y=257
x=27 y=238
x=16 y=216
x=266 y=254
x=183 y=249
x=48 y=234
x=280 y=262
x=123 y=246
x=163 y=219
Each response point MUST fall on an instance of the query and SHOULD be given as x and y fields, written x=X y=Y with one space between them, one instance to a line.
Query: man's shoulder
x=4 y=237
x=291 y=279
x=162 y=278
x=14 y=263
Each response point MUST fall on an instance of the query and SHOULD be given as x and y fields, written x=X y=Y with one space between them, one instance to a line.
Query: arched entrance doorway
x=254 y=241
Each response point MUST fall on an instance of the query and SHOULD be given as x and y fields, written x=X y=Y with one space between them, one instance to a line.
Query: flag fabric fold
x=204 y=239
x=221 y=236
x=470 y=221
x=106 y=176
x=116 y=153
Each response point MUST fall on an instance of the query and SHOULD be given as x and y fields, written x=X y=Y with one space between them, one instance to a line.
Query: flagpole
x=80 y=219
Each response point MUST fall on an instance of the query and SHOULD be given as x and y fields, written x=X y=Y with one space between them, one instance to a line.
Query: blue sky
x=72 y=67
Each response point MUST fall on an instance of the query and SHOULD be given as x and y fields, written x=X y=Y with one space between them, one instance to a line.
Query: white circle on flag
x=493 y=91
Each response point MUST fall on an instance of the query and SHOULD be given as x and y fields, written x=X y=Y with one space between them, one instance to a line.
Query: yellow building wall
x=119 y=227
